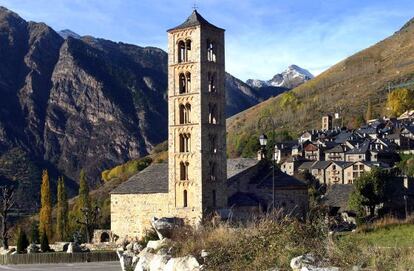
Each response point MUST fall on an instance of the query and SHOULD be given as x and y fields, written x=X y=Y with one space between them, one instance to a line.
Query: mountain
x=71 y=103
x=346 y=88
x=292 y=77
x=66 y=33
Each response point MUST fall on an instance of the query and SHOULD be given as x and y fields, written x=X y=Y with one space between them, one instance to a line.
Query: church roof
x=153 y=179
x=195 y=19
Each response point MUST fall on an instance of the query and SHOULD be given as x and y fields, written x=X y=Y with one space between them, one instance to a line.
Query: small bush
x=44 y=243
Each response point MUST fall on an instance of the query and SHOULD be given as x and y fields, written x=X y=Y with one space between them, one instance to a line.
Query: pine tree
x=368 y=115
x=45 y=216
x=62 y=211
x=44 y=243
x=22 y=242
x=34 y=234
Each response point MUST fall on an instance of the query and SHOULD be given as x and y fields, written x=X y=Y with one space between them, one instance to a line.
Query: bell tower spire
x=196 y=122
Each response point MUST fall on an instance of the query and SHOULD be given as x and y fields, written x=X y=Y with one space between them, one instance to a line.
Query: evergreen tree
x=45 y=216
x=368 y=115
x=34 y=234
x=44 y=243
x=62 y=211
x=22 y=242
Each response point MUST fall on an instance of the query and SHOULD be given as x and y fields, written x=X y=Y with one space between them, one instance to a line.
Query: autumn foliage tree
x=45 y=216
x=62 y=211
x=368 y=114
x=399 y=101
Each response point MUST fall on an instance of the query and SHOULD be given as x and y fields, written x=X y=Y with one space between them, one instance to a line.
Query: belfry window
x=184 y=51
x=212 y=171
x=185 y=111
x=185 y=142
x=184 y=85
x=211 y=51
x=212 y=114
x=181 y=51
x=213 y=143
x=184 y=171
x=185 y=198
x=211 y=82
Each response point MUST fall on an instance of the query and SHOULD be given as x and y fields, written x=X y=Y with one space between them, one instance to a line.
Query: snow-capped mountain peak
x=292 y=77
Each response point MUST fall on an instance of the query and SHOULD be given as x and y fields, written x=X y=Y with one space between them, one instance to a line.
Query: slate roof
x=238 y=165
x=153 y=179
x=362 y=149
x=336 y=149
x=338 y=196
x=244 y=199
x=195 y=19
x=321 y=164
x=282 y=180
x=306 y=165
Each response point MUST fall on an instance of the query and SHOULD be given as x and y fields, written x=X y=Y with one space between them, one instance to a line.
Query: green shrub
x=44 y=243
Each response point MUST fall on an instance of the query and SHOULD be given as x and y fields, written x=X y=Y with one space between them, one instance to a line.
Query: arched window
x=214 y=198
x=181 y=51
x=185 y=199
x=211 y=51
x=184 y=171
x=185 y=111
x=188 y=80
x=212 y=173
x=211 y=82
x=182 y=83
x=213 y=143
x=185 y=142
x=188 y=50
x=212 y=114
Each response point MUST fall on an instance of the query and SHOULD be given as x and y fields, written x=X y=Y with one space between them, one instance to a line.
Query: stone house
x=312 y=151
x=355 y=170
x=359 y=153
x=335 y=172
x=291 y=165
x=283 y=151
x=318 y=170
x=336 y=153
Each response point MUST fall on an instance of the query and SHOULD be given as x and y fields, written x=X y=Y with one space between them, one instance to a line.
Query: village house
x=335 y=172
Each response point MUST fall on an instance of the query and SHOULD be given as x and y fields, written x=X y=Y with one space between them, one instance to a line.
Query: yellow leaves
x=399 y=101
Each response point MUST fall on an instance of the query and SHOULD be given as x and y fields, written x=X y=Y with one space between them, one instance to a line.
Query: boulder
x=137 y=248
x=188 y=263
x=32 y=248
x=158 y=244
x=159 y=262
x=145 y=258
x=127 y=261
x=307 y=260
x=73 y=248
x=165 y=226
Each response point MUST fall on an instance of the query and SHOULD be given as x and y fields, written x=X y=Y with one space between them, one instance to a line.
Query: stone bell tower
x=196 y=120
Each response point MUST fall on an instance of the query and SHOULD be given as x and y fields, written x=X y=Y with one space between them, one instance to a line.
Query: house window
x=212 y=114
x=185 y=111
x=211 y=51
x=185 y=142
x=184 y=171
x=211 y=82
x=185 y=199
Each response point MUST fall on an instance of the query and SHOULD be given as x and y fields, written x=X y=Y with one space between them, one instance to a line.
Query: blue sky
x=262 y=37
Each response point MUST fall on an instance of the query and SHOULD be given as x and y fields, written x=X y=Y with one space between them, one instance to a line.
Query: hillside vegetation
x=347 y=88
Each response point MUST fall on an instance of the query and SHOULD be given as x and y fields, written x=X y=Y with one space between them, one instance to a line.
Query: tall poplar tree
x=45 y=216
x=62 y=211
x=84 y=200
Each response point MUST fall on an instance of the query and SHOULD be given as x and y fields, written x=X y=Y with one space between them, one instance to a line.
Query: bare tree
x=7 y=202
x=90 y=216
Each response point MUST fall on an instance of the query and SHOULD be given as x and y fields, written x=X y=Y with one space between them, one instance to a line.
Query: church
x=198 y=179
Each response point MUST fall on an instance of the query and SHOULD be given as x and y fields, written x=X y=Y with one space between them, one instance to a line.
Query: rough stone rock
x=307 y=260
x=128 y=261
x=32 y=248
x=145 y=258
x=188 y=263
x=158 y=244
x=159 y=262
x=164 y=226
x=73 y=248
x=137 y=248
x=7 y=251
